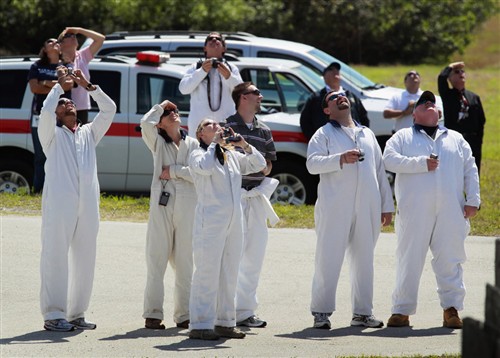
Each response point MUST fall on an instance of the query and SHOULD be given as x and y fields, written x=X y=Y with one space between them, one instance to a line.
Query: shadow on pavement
x=42 y=336
x=145 y=333
x=386 y=332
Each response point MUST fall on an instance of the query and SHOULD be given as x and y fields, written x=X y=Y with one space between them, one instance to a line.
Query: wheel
x=296 y=185
x=15 y=177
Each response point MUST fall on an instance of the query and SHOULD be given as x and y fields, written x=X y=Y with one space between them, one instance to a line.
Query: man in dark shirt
x=255 y=193
x=463 y=110
x=313 y=117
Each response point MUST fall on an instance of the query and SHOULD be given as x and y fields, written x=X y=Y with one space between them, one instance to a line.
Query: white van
x=185 y=43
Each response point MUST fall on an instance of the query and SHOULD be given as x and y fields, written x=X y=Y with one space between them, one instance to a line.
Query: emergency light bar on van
x=152 y=57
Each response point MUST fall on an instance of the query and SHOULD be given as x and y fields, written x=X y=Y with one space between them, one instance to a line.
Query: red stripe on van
x=282 y=136
x=17 y=126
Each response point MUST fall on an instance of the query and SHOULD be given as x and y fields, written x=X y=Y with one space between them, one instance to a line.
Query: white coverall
x=351 y=200
x=257 y=209
x=195 y=83
x=431 y=212
x=70 y=208
x=218 y=234
x=169 y=235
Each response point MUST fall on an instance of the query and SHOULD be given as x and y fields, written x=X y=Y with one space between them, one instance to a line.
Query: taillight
x=152 y=57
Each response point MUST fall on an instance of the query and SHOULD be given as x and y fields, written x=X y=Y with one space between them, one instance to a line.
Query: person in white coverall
x=435 y=168
x=256 y=190
x=210 y=83
x=354 y=198
x=218 y=230
x=171 y=213
x=70 y=204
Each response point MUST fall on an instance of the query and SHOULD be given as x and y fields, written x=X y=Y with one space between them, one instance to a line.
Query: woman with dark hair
x=41 y=78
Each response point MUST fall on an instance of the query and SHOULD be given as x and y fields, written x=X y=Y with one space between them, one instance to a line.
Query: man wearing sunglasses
x=171 y=214
x=256 y=190
x=400 y=106
x=463 y=110
x=354 y=200
x=312 y=116
x=70 y=203
x=210 y=82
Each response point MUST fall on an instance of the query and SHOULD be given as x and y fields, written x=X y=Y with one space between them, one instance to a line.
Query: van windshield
x=348 y=74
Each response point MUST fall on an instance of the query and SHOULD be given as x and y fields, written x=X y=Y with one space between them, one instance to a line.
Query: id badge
x=34 y=120
x=164 y=198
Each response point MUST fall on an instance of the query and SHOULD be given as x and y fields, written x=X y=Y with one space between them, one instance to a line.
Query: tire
x=16 y=177
x=296 y=185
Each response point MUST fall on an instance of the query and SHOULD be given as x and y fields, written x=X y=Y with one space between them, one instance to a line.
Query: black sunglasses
x=65 y=101
x=167 y=112
x=211 y=38
x=459 y=71
x=255 y=92
x=335 y=96
x=68 y=35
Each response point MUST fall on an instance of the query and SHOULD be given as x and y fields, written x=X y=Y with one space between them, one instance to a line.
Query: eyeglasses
x=458 y=71
x=68 y=35
x=335 y=96
x=255 y=92
x=167 y=112
x=65 y=101
x=51 y=41
x=412 y=74
x=211 y=38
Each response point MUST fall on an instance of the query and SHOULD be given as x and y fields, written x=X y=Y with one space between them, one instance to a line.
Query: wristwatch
x=90 y=87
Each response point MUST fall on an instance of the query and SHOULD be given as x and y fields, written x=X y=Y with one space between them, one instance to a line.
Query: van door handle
x=138 y=128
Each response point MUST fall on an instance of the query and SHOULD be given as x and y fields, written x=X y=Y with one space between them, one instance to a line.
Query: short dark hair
x=239 y=90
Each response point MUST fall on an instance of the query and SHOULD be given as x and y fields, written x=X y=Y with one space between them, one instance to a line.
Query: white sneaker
x=252 y=321
x=58 y=325
x=321 y=320
x=80 y=323
x=366 y=321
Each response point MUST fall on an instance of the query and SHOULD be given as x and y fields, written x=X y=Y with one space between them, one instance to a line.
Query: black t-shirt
x=43 y=73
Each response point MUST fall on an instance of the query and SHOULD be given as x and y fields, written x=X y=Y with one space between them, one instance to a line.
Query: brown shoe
x=451 y=319
x=398 y=320
x=229 y=332
x=184 y=324
x=205 y=334
x=154 y=323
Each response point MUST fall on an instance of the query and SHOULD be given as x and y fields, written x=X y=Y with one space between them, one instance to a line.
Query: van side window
x=268 y=54
x=12 y=96
x=154 y=89
x=110 y=82
x=294 y=91
x=264 y=81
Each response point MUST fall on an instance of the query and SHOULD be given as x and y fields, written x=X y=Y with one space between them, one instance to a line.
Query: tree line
x=355 y=31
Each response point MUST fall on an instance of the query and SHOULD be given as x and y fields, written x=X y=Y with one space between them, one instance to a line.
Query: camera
x=226 y=133
x=361 y=155
x=164 y=198
x=433 y=156
x=70 y=71
x=215 y=62
x=235 y=138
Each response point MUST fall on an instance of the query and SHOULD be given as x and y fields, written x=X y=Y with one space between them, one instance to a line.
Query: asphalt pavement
x=284 y=292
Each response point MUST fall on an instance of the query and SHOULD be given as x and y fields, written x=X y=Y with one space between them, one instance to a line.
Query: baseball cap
x=424 y=97
x=331 y=66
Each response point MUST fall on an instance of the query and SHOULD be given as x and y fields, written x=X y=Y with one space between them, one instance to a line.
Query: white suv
x=124 y=162
x=374 y=96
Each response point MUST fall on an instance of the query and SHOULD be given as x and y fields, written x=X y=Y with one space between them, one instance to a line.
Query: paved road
x=116 y=304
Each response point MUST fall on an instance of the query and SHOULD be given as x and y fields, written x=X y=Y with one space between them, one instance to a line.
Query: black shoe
x=154 y=323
